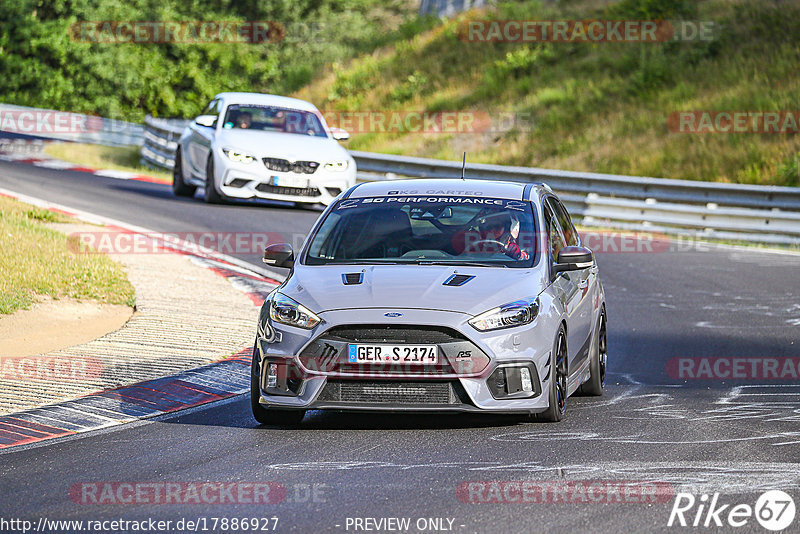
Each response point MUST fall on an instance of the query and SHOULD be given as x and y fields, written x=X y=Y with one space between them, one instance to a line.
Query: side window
x=564 y=221
x=554 y=238
x=213 y=108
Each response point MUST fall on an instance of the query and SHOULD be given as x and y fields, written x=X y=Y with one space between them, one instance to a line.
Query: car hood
x=321 y=288
x=282 y=145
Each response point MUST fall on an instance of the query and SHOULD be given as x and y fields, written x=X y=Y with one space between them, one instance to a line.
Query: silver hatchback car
x=433 y=295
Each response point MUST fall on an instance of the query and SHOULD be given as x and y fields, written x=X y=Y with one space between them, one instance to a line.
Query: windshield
x=273 y=119
x=424 y=230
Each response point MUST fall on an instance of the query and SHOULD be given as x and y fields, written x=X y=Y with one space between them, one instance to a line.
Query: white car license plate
x=402 y=354
x=289 y=181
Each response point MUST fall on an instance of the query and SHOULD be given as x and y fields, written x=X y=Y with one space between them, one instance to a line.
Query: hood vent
x=458 y=280
x=351 y=279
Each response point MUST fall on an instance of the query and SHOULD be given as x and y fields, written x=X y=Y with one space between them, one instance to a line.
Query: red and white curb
x=208 y=383
x=112 y=407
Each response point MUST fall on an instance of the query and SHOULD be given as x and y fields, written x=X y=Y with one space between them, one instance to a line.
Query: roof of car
x=446 y=186
x=262 y=99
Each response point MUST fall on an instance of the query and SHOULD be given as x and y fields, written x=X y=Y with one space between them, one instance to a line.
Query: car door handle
x=583 y=284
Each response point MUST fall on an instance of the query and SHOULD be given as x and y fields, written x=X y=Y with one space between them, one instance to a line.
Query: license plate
x=402 y=354
x=289 y=181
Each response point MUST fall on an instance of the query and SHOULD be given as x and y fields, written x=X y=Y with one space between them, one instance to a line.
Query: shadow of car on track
x=237 y=415
x=163 y=191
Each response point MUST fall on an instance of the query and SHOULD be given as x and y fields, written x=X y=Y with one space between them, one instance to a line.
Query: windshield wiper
x=366 y=262
x=457 y=263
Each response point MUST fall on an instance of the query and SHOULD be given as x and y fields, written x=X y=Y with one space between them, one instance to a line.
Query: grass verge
x=104 y=157
x=600 y=107
x=36 y=261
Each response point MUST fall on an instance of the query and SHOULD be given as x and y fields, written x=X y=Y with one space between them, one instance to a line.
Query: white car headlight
x=337 y=166
x=286 y=311
x=238 y=156
x=516 y=313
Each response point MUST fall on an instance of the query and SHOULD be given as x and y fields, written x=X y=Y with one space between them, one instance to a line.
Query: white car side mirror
x=206 y=120
x=339 y=134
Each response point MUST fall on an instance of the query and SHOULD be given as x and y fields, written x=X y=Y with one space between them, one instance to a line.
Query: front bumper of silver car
x=477 y=372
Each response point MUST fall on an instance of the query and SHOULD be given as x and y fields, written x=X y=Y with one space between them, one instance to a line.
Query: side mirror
x=573 y=259
x=206 y=120
x=279 y=255
x=340 y=134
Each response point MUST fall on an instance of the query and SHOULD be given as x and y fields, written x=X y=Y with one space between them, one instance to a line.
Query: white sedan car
x=252 y=145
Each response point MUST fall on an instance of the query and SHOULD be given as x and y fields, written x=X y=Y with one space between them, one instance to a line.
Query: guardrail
x=22 y=122
x=767 y=214
x=160 y=141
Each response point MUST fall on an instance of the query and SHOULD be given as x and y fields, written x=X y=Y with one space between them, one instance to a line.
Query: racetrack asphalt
x=735 y=436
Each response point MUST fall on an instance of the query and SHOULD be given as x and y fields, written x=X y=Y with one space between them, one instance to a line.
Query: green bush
x=43 y=66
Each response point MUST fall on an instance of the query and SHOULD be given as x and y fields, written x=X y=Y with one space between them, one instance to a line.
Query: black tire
x=597 y=366
x=211 y=195
x=179 y=187
x=269 y=416
x=557 y=392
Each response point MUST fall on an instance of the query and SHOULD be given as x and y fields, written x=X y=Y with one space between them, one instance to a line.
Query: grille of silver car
x=389 y=392
x=398 y=333
x=284 y=165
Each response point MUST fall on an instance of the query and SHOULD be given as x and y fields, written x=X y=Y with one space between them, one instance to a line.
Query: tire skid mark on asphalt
x=128 y=403
x=693 y=476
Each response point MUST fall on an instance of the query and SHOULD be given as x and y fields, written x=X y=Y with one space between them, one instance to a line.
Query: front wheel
x=269 y=416
x=179 y=187
x=557 y=392
x=211 y=194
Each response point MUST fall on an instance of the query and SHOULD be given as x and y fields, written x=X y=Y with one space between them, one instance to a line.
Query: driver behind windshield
x=505 y=233
x=244 y=120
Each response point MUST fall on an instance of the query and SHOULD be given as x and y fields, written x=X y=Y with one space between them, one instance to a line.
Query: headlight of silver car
x=516 y=313
x=238 y=156
x=286 y=311
x=337 y=166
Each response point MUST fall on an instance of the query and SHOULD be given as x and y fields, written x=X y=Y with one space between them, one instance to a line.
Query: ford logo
x=392 y=314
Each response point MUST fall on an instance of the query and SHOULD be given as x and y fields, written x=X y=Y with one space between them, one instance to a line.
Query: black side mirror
x=573 y=259
x=279 y=255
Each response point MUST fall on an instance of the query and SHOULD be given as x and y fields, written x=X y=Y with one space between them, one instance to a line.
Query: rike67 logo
x=774 y=510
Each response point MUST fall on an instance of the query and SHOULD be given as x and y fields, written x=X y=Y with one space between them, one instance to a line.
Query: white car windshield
x=427 y=230
x=273 y=119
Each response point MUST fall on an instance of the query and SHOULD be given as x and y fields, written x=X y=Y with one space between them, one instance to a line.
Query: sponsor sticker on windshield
x=389 y=200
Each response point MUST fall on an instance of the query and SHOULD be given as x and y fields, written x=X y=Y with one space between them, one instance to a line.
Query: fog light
x=525 y=376
x=272 y=375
